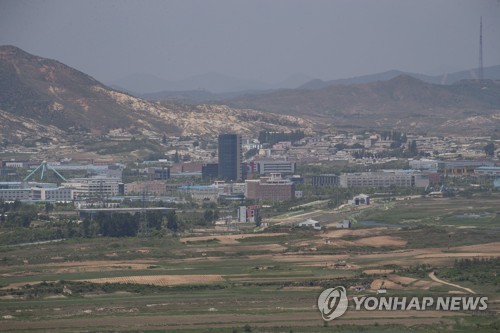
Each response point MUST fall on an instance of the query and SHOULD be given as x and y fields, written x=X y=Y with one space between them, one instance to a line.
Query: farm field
x=263 y=282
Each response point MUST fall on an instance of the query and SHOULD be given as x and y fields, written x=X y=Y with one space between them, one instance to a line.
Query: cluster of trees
x=475 y=270
x=177 y=158
x=477 y=263
x=127 y=225
x=16 y=214
x=398 y=153
x=489 y=149
x=210 y=215
x=112 y=226
x=342 y=146
x=251 y=152
x=274 y=137
x=412 y=149
x=79 y=289
x=395 y=136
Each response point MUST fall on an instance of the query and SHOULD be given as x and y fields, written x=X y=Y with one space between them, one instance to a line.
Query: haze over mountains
x=141 y=83
x=213 y=87
x=45 y=96
x=491 y=73
x=220 y=87
x=404 y=103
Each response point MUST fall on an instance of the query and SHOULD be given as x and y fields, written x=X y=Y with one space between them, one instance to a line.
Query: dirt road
x=433 y=277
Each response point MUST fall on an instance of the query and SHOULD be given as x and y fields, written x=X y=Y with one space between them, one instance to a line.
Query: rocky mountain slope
x=403 y=102
x=40 y=96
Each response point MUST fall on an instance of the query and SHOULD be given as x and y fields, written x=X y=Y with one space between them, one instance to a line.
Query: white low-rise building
x=383 y=179
x=13 y=194
x=360 y=200
x=94 y=187
x=201 y=193
x=310 y=223
x=58 y=194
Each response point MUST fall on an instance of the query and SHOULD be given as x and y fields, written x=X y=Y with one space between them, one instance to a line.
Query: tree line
x=274 y=137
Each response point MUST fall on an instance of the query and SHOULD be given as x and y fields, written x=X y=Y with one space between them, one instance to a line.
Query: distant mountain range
x=491 y=73
x=141 y=84
x=403 y=102
x=214 y=88
x=43 y=97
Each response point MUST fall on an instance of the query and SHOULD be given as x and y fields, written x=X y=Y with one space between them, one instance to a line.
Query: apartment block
x=273 y=188
x=325 y=180
x=266 y=167
x=94 y=187
x=383 y=179
x=155 y=187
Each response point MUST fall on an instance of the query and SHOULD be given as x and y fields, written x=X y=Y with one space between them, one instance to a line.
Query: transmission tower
x=480 y=69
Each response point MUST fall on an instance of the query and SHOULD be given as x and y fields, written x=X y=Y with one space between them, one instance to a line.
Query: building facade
x=273 y=188
x=230 y=157
x=461 y=168
x=360 y=200
x=26 y=191
x=266 y=167
x=156 y=187
x=210 y=171
x=248 y=213
x=325 y=180
x=487 y=171
x=13 y=194
x=383 y=179
x=57 y=194
x=201 y=193
x=158 y=173
x=95 y=187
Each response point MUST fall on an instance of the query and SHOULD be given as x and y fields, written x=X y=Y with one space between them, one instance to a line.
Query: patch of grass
x=112 y=147
x=425 y=236
x=205 y=241
x=256 y=282
x=78 y=289
x=436 y=211
x=271 y=239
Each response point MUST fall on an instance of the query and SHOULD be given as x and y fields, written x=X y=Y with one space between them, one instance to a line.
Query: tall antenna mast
x=480 y=69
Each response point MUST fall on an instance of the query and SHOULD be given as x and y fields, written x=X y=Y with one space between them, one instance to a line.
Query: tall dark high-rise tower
x=230 y=157
x=480 y=69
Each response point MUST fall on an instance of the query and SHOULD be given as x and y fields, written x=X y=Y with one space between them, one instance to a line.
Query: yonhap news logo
x=333 y=303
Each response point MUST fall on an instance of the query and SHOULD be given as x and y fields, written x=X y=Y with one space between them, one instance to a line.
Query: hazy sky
x=267 y=40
